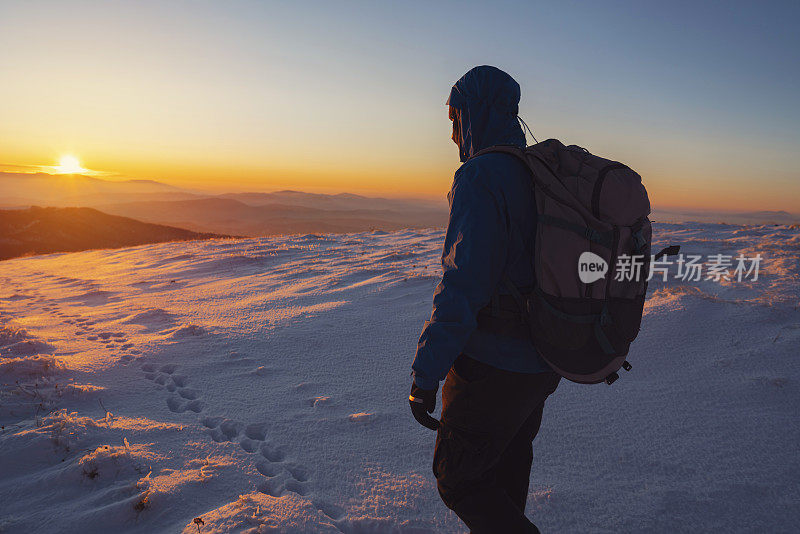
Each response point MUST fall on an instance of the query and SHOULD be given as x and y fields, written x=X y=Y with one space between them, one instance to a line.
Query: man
x=496 y=383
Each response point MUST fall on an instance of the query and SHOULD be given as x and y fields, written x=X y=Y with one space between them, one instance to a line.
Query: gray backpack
x=592 y=212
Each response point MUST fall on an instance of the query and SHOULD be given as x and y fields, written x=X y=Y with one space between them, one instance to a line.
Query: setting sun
x=69 y=164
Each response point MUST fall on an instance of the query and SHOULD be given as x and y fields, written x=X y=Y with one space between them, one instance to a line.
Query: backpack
x=591 y=214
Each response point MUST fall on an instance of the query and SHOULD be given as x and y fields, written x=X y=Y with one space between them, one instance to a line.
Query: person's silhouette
x=496 y=383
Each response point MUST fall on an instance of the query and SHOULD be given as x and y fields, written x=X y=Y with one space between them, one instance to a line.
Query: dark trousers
x=484 y=450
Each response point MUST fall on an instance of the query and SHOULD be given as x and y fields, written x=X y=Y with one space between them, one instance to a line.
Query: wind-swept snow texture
x=260 y=385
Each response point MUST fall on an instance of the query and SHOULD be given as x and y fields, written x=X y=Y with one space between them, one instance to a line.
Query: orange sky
x=242 y=97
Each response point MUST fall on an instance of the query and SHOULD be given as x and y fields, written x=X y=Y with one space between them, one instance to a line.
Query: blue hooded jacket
x=490 y=233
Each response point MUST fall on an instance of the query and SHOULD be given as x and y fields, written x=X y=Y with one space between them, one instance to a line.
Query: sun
x=69 y=164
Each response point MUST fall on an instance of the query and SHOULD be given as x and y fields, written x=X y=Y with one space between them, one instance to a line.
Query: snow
x=260 y=385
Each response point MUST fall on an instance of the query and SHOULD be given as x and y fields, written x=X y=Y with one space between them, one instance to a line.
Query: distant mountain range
x=730 y=217
x=250 y=214
x=33 y=231
x=229 y=215
x=41 y=189
x=243 y=214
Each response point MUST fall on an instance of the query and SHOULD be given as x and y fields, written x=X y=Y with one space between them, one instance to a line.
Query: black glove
x=423 y=402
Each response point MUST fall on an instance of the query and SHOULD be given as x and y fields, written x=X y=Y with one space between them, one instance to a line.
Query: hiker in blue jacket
x=495 y=382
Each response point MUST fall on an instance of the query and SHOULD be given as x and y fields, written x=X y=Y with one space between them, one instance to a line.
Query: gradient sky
x=702 y=98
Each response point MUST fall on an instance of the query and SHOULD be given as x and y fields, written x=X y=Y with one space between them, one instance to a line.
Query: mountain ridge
x=38 y=230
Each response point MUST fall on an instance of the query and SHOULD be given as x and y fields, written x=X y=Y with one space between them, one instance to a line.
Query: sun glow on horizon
x=69 y=164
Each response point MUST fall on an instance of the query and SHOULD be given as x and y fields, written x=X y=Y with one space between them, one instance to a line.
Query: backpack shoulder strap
x=504 y=149
x=551 y=186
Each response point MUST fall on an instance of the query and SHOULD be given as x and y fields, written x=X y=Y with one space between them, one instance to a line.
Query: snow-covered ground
x=260 y=385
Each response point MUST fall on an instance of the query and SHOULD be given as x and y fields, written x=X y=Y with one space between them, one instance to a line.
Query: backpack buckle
x=610 y=379
x=639 y=242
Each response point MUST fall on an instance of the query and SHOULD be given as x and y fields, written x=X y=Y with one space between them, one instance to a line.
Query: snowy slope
x=260 y=385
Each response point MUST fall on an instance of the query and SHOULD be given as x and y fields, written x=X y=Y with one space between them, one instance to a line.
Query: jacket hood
x=487 y=100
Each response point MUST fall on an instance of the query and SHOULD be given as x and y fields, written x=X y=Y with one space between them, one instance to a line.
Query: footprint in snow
x=296 y=486
x=230 y=428
x=186 y=398
x=211 y=422
x=107 y=337
x=279 y=483
x=248 y=445
x=256 y=431
x=298 y=472
x=221 y=429
x=282 y=476
x=178 y=405
x=254 y=440
x=272 y=453
x=188 y=393
x=293 y=478
x=179 y=380
x=173 y=383
x=331 y=510
x=272 y=487
x=268 y=469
